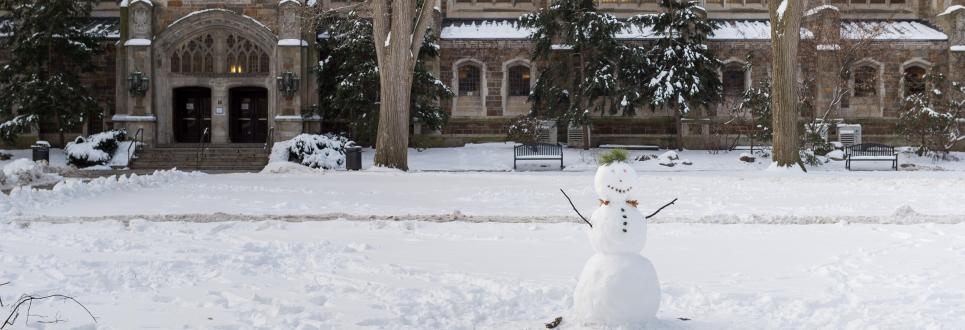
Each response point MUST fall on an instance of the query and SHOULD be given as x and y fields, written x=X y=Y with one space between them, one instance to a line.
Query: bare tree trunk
x=392 y=143
x=785 y=36
x=398 y=39
x=678 y=122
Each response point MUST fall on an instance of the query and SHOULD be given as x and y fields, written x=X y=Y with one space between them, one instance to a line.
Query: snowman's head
x=615 y=178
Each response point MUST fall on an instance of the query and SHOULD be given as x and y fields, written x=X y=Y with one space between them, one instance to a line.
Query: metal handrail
x=270 y=141
x=197 y=165
x=138 y=137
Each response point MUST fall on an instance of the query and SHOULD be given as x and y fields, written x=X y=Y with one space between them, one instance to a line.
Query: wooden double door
x=248 y=115
x=192 y=114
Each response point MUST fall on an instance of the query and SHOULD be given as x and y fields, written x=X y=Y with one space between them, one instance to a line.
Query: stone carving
x=141 y=22
x=961 y=28
x=289 y=23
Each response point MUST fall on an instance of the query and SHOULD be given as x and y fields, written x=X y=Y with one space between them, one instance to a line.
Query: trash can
x=353 y=158
x=41 y=151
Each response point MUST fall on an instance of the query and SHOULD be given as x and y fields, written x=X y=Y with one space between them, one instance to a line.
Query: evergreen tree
x=349 y=84
x=50 y=48
x=594 y=72
x=931 y=119
x=686 y=70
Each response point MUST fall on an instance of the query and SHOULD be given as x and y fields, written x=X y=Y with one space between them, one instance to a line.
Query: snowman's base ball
x=617 y=289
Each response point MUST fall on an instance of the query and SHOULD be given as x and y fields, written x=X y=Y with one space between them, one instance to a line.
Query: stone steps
x=219 y=158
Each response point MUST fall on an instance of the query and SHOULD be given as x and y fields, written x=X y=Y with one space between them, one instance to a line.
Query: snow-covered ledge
x=132 y=118
x=289 y=118
x=138 y=42
x=292 y=43
x=127 y=3
x=958 y=48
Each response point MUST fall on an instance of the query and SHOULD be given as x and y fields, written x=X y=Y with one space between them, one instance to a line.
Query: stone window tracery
x=194 y=56
x=245 y=57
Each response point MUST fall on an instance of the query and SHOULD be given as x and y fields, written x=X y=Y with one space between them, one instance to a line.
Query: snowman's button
x=624 y=216
x=624 y=223
x=624 y=230
x=622 y=210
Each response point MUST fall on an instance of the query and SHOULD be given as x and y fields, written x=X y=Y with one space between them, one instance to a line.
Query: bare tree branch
x=28 y=300
x=421 y=27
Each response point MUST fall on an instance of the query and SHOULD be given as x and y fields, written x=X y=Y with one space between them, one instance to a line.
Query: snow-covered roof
x=952 y=9
x=109 y=27
x=490 y=29
x=891 y=30
x=726 y=30
x=509 y=29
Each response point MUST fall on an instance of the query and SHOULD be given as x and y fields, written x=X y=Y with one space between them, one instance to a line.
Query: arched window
x=865 y=81
x=734 y=79
x=519 y=82
x=194 y=56
x=245 y=57
x=914 y=79
x=469 y=80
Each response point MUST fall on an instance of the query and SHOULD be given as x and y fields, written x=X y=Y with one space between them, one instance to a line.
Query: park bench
x=538 y=151
x=871 y=152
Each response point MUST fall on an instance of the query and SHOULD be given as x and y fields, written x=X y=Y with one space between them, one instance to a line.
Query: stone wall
x=168 y=11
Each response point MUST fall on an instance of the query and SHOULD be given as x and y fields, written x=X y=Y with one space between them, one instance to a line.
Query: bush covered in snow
x=315 y=151
x=524 y=130
x=94 y=150
x=932 y=120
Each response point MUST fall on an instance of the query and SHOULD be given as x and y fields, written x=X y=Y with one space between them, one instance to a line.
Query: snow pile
x=25 y=198
x=315 y=151
x=289 y=168
x=97 y=149
x=24 y=172
x=836 y=155
x=668 y=159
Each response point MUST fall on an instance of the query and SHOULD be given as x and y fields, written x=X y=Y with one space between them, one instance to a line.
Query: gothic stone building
x=241 y=70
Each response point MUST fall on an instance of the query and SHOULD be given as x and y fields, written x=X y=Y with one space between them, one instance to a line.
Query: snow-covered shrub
x=932 y=120
x=21 y=172
x=94 y=150
x=312 y=150
x=5 y=156
x=524 y=130
x=668 y=159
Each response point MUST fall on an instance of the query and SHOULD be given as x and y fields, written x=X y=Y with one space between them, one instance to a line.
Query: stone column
x=825 y=25
x=138 y=111
x=952 y=22
x=219 y=122
x=289 y=57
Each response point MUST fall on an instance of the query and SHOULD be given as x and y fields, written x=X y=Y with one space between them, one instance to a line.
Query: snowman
x=618 y=286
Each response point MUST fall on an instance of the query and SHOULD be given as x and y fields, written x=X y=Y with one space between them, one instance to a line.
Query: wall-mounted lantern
x=138 y=83
x=288 y=83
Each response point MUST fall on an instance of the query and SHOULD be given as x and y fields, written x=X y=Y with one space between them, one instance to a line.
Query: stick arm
x=661 y=208
x=574 y=208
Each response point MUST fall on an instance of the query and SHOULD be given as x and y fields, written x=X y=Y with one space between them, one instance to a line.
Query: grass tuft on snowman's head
x=613 y=156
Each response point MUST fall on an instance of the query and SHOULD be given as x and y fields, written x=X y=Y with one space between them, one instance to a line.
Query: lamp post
x=288 y=83
x=138 y=83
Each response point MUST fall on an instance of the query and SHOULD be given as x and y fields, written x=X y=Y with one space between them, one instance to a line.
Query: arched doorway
x=248 y=115
x=192 y=114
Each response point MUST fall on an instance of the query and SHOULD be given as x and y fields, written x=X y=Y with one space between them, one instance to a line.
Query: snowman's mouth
x=619 y=189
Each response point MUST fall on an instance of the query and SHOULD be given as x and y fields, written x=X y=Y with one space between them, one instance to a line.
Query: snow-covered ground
x=419 y=275
x=716 y=197
x=380 y=249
